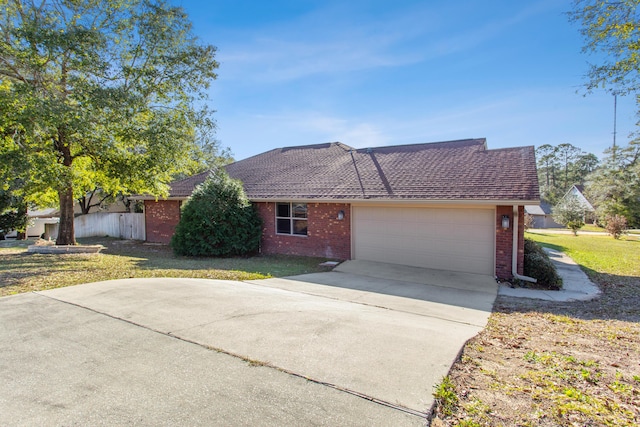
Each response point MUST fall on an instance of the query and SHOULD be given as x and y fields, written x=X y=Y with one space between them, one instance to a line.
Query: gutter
x=514 y=252
x=398 y=201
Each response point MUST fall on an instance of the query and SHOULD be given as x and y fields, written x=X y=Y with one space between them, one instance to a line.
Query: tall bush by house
x=538 y=265
x=218 y=220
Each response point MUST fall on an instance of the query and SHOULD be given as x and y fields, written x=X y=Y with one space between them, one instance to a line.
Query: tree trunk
x=66 y=232
x=84 y=205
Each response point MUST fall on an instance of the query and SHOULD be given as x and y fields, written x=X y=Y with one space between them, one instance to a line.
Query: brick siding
x=520 y=239
x=161 y=219
x=504 y=241
x=326 y=237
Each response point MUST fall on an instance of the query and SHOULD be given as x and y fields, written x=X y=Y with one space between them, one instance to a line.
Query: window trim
x=291 y=219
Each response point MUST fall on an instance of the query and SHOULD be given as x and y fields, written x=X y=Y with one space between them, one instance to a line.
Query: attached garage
x=443 y=238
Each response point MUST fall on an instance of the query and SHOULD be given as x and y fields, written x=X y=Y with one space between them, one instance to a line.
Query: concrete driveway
x=362 y=345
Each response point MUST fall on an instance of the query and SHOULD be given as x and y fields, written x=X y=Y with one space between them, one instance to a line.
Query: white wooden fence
x=121 y=225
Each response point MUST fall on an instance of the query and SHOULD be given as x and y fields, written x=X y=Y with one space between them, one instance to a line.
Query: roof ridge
x=191 y=177
x=482 y=141
x=512 y=148
x=320 y=145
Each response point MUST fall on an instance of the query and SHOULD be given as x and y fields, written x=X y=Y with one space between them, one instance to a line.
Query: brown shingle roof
x=447 y=171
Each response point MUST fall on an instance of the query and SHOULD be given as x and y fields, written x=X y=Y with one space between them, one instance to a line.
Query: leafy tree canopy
x=13 y=213
x=560 y=167
x=611 y=29
x=108 y=94
x=570 y=213
x=217 y=220
x=614 y=188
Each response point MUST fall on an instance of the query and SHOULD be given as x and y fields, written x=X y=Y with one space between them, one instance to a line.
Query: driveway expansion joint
x=356 y=301
x=424 y=415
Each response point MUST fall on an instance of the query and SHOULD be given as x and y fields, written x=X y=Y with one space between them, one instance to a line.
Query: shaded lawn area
x=24 y=272
x=543 y=363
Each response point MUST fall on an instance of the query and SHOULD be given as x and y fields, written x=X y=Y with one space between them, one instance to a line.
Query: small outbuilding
x=542 y=216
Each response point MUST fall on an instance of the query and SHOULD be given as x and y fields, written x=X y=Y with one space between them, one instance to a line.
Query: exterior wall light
x=505 y=221
x=340 y=215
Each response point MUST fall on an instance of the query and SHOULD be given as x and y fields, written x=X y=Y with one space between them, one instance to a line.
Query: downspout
x=514 y=252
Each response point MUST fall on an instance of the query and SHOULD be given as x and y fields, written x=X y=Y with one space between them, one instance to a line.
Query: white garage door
x=439 y=238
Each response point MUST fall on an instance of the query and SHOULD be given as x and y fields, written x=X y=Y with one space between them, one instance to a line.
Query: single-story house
x=542 y=215
x=452 y=205
x=39 y=222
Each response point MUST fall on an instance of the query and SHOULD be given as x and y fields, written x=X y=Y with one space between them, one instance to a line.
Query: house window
x=291 y=218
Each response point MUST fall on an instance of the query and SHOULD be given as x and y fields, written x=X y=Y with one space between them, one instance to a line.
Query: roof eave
x=147 y=197
x=494 y=202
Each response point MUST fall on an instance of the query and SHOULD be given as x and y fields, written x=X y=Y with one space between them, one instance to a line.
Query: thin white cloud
x=351 y=131
x=517 y=118
x=470 y=38
x=334 y=40
x=298 y=128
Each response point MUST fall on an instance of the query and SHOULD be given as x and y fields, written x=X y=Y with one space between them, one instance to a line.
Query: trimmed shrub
x=528 y=221
x=616 y=225
x=217 y=220
x=538 y=265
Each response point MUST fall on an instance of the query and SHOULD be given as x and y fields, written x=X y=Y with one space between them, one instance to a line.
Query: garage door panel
x=439 y=238
x=477 y=232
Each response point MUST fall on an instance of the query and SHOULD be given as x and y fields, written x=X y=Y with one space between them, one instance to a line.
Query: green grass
x=591 y=227
x=445 y=394
x=557 y=363
x=601 y=254
x=24 y=272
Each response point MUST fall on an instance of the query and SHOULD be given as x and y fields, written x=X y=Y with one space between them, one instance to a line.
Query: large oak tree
x=99 y=93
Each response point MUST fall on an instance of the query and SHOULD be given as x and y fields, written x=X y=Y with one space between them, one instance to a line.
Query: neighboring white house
x=44 y=222
x=37 y=222
x=542 y=214
x=577 y=191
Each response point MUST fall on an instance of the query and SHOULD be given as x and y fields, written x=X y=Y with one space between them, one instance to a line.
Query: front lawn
x=593 y=228
x=597 y=254
x=24 y=272
x=542 y=363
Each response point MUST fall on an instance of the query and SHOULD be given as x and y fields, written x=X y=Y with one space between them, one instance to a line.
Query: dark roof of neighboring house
x=447 y=171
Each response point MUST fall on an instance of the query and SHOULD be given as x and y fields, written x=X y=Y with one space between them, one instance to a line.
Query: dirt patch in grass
x=542 y=363
x=24 y=272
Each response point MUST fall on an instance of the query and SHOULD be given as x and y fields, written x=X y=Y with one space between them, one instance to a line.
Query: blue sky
x=372 y=73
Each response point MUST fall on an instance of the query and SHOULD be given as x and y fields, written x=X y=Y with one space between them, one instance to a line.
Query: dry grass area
x=541 y=363
x=21 y=271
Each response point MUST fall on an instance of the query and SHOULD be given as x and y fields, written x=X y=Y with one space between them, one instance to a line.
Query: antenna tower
x=615 y=115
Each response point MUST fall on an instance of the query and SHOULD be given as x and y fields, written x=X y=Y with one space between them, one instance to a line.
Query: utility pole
x=615 y=115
